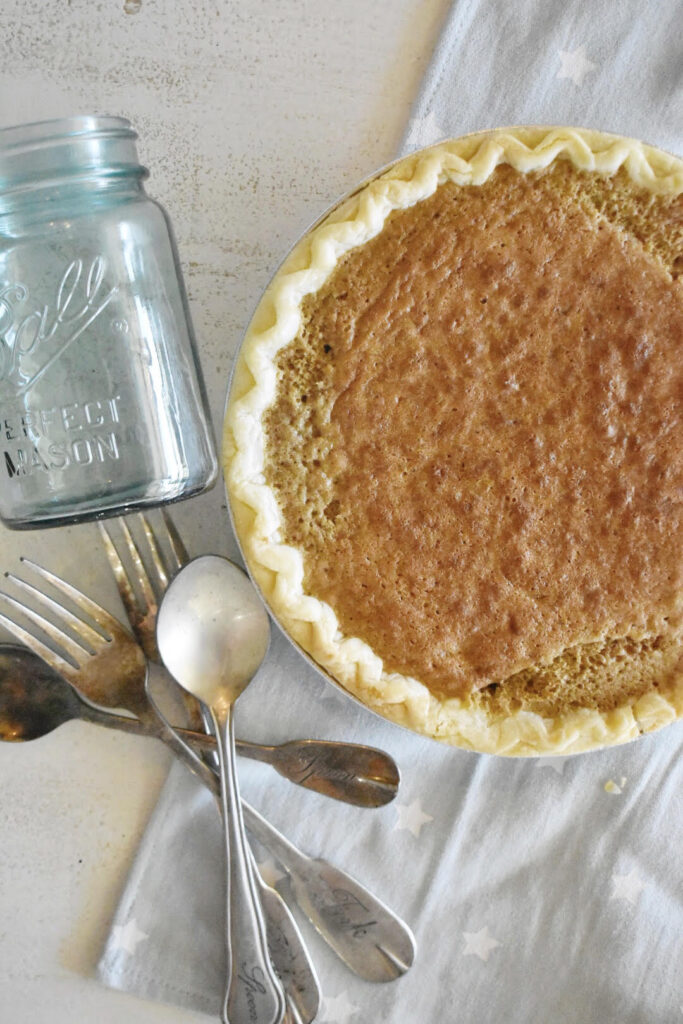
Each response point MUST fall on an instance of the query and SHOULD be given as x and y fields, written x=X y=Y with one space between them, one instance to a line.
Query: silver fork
x=98 y=654
x=370 y=939
x=105 y=665
x=351 y=772
x=90 y=666
x=376 y=945
x=142 y=613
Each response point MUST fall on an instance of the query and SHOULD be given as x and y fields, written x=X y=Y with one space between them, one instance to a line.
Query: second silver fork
x=351 y=772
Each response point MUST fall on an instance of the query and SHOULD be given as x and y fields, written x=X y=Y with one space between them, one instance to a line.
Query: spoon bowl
x=35 y=700
x=50 y=701
x=213 y=631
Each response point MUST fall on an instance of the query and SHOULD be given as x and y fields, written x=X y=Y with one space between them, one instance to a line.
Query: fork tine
x=82 y=628
x=95 y=611
x=37 y=646
x=175 y=542
x=154 y=551
x=125 y=588
x=141 y=572
x=72 y=648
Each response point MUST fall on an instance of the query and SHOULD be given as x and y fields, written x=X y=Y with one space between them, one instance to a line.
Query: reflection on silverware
x=350 y=772
x=92 y=661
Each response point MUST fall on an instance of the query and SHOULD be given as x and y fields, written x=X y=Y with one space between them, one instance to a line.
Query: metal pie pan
x=340 y=201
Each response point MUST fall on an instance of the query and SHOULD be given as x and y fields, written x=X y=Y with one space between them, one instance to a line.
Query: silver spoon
x=23 y=675
x=212 y=634
x=371 y=940
x=35 y=700
x=352 y=772
x=290 y=956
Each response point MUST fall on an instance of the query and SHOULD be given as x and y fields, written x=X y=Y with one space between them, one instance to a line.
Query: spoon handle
x=379 y=954
x=254 y=994
x=289 y=955
x=350 y=772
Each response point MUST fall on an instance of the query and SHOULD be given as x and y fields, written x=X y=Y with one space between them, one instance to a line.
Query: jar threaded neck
x=48 y=153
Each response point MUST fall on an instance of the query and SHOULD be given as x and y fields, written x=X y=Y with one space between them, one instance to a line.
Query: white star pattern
x=575 y=65
x=337 y=1009
x=424 y=131
x=479 y=943
x=411 y=817
x=127 y=936
x=627 y=887
x=556 y=763
x=270 y=872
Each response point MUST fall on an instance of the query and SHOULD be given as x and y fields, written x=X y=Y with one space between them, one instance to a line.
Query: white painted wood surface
x=253 y=116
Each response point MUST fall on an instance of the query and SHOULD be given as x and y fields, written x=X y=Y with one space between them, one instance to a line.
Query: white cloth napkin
x=544 y=890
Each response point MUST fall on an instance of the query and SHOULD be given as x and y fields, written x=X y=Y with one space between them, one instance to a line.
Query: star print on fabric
x=627 y=887
x=479 y=943
x=270 y=872
x=127 y=936
x=575 y=65
x=556 y=763
x=615 y=787
x=411 y=817
x=337 y=1009
x=424 y=131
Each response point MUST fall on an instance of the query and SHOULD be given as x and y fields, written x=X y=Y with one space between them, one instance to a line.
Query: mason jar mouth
x=42 y=153
x=46 y=132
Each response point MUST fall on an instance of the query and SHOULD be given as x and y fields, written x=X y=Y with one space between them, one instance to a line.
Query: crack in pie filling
x=453 y=444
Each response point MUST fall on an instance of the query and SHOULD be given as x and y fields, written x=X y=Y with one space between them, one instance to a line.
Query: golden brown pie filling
x=476 y=440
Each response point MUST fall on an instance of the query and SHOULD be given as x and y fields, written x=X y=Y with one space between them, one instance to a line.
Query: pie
x=453 y=445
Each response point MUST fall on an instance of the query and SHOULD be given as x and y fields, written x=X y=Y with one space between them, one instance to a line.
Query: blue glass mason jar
x=102 y=405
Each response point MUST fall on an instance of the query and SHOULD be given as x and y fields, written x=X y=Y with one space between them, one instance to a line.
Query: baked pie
x=453 y=443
